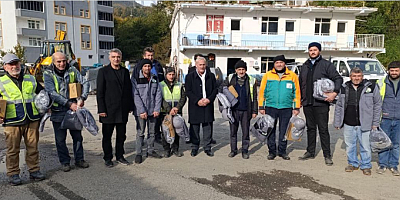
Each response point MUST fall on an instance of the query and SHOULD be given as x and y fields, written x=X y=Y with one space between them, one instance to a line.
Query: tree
x=18 y=50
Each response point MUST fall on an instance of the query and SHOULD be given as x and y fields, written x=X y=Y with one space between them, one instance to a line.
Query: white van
x=372 y=68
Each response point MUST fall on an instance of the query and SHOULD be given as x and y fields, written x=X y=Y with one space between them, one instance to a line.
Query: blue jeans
x=351 y=135
x=390 y=157
x=62 y=149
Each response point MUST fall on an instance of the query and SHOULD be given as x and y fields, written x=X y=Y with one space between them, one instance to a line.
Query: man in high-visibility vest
x=56 y=83
x=245 y=109
x=390 y=123
x=174 y=99
x=280 y=98
x=21 y=119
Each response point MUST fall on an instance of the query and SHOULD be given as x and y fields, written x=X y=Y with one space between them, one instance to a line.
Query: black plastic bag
x=71 y=121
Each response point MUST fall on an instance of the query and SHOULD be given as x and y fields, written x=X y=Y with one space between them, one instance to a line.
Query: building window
x=106 y=16
x=90 y=56
x=322 y=26
x=62 y=26
x=341 y=28
x=106 y=45
x=215 y=24
x=267 y=63
x=235 y=25
x=269 y=25
x=32 y=24
x=81 y=13
x=56 y=9
x=106 y=30
x=36 y=42
x=30 y=5
x=86 y=42
x=87 y=14
x=105 y=3
x=101 y=56
x=289 y=26
x=62 y=10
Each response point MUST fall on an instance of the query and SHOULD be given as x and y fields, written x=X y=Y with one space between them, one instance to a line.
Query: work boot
x=307 y=156
x=232 y=154
x=284 y=156
x=194 y=152
x=82 y=164
x=245 y=155
x=138 y=159
x=328 y=161
x=177 y=153
x=271 y=156
x=66 y=167
x=209 y=153
x=14 y=180
x=366 y=172
x=36 y=176
x=167 y=154
x=350 y=168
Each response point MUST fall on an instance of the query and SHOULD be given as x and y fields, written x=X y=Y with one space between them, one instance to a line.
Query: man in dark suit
x=114 y=102
x=201 y=89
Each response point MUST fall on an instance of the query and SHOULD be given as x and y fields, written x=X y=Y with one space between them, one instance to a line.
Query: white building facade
x=257 y=33
x=88 y=24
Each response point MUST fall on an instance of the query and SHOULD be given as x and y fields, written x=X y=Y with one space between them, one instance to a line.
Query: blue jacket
x=147 y=94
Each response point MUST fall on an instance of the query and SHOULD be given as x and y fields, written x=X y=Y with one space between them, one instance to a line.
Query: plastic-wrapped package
x=168 y=129
x=321 y=87
x=42 y=102
x=87 y=120
x=379 y=140
x=71 y=121
x=295 y=129
x=43 y=121
x=262 y=128
x=231 y=98
x=181 y=128
x=225 y=107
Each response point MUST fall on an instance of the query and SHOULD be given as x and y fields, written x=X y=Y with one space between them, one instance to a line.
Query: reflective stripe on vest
x=57 y=86
x=382 y=86
x=19 y=102
x=251 y=80
x=174 y=97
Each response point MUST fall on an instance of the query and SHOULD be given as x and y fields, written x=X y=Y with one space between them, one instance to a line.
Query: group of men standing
x=151 y=95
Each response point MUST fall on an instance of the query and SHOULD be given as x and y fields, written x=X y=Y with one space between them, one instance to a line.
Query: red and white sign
x=215 y=23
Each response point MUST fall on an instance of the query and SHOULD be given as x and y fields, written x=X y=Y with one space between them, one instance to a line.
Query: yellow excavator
x=59 y=44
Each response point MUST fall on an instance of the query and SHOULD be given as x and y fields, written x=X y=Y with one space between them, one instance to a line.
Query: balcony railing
x=282 y=42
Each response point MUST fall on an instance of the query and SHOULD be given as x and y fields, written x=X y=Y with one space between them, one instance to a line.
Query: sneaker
x=109 y=163
x=194 y=152
x=328 y=161
x=138 y=159
x=381 y=170
x=307 y=156
x=394 y=171
x=177 y=153
x=123 y=161
x=82 y=164
x=232 y=154
x=167 y=154
x=245 y=155
x=271 y=156
x=366 y=171
x=66 y=167
x=213 y=141
x=14 y=180
x=36 y=176
x=209 y=153
x=153 y=154
x=350 y=168
x=284 y=156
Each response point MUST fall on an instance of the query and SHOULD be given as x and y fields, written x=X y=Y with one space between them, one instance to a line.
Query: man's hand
x=254 y=116
x=262 y=112
x=103 y=114
x=174 y=111
x=206 y=101
x=295 y=112
x=330 y=96
x=201 y=103
x=337 y=128
x=82 y=103
x=1 y=120
x=156 y=114
x=143 y=115
x=74 y=107
x=374 y=127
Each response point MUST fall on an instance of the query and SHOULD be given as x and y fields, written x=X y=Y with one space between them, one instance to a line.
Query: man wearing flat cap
x=246 y=108
x=21 y=119
x=317 y=111
x=279 y=97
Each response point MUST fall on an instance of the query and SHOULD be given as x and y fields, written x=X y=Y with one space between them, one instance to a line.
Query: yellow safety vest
x=172 y=98
x=382 y=86
x=57 y=86
x=251 y=80
x=20 y=103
